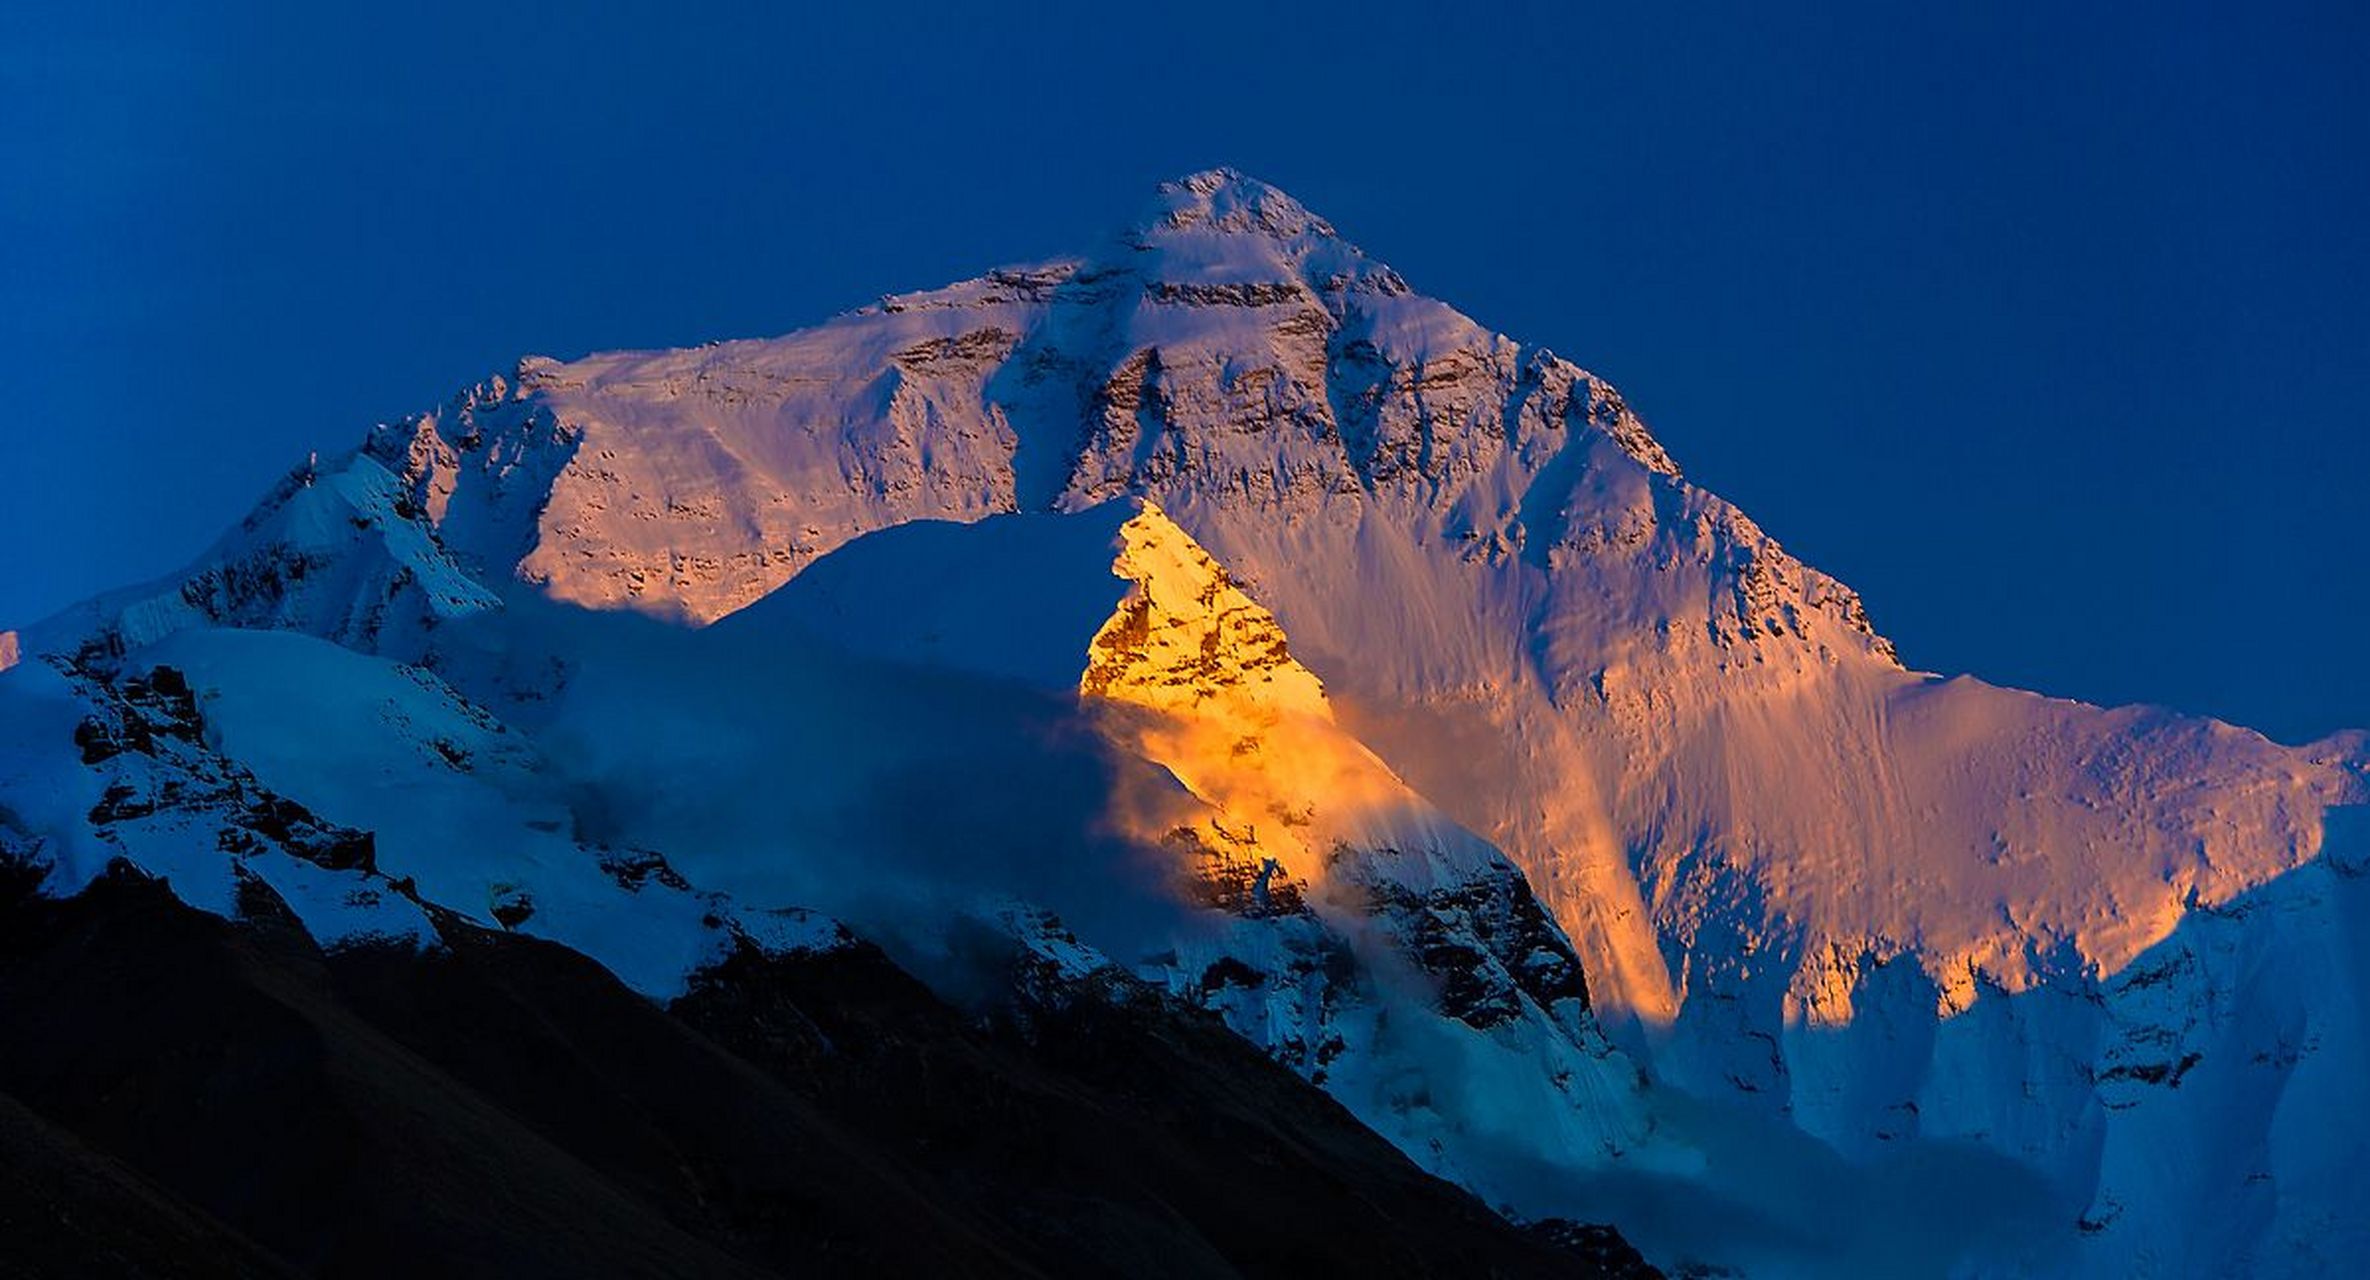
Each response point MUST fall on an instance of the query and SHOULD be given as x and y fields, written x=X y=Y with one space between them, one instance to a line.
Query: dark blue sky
x=2049 y=330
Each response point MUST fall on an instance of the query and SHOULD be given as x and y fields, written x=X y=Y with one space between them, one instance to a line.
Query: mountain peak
x=1222 y=227
x=1231 y=201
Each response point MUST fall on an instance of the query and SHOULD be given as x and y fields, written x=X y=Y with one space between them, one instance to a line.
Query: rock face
x=1566 y=763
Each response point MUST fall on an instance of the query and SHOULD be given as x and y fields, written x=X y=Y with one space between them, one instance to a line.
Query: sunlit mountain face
x=1261 y=771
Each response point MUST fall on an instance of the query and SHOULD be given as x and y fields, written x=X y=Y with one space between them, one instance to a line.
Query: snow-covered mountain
x=1312 y=655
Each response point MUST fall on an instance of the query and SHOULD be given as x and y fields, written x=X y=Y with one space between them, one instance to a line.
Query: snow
x=340 y=908
x=45 y=792
x=331 y=552
x=179 y=805
x=791 y=931
x=2092 y=976
x=943 y=595
x=1470 y=541
x=461 y=806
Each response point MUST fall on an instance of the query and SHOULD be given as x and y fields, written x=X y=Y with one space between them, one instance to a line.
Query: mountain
x=1214 y=620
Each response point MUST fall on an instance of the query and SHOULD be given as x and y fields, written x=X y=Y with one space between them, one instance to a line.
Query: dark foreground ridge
x=188 y=1096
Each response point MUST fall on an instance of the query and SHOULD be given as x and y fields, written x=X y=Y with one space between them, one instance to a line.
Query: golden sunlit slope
x=1193 y=675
